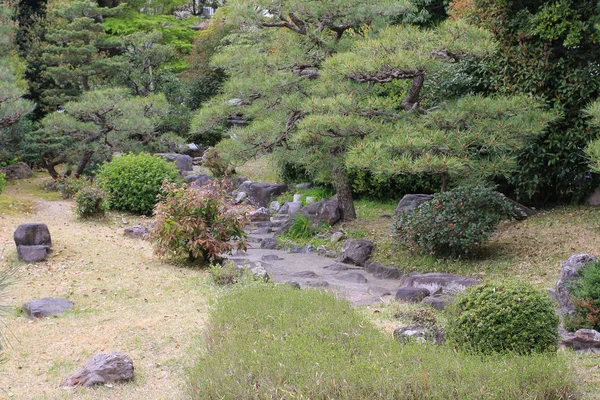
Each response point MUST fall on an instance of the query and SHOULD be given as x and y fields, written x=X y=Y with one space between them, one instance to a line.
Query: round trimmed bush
x=133 y=181
x=504 y=316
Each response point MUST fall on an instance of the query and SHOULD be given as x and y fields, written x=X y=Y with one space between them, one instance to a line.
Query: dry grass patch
x=125 y=300
x=259 y=170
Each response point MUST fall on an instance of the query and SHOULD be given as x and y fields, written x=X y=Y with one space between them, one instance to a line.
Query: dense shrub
x=90 y=201
x=585 y=296
x=454 y=223
x=132 y=181
x=365 y=184
x=275 y=342
x=504 y=316
x=2 y=181
x=217 y=164
x=200 y=223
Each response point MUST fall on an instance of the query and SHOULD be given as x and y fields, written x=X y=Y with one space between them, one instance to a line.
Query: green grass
x=275 y=342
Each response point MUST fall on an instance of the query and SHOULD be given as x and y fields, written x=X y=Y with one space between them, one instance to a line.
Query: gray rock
x=293 y=284
x=32 y=253
x=136 y=232
x=316 y=283
x=337 y=267
x=102 y=369
x=306 y=274
x=336 y=237
x=183 y=162
x=293 y=207
x=268 y=243
x=411 y=294
x=19 y=170
x=260 y=272
x=439 y=303
x=355 y=251
x=568 y=275
x=449 y=283
x=241 y=196
x=47 y=307
x=274 y=206
x=594 y=198
x=411 y=201
x=201 y=180
x=584 y=340
x=379 y=291
x=324 y=211
x=260 y=214
x=283 y=211
x=260 y=194
x=302 y=250
x=419 y=334
x=382 y=271
x=354 y=277
x=33 y=234
x=305 y=185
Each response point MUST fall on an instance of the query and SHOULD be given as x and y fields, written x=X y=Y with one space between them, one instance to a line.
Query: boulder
x=19 y=170
x=437 y=302
x=448 y=283
x=383 y=272
x=411 y=294
x=260 y=272
x=32 y=253
x=353 y=277
x=274 y=206
x=420 y=334
x=324 y=211
x=33 y=234
x=260 y=194
x=584 y=340
x=411 y=201
x=102 y=369
x=241 y=196
x=136 y=232
x=259 y=215
x=336 y=237
x=46 y=307
x=182 y=162
x=355 y=251
x=268 y=243
x=568 y=275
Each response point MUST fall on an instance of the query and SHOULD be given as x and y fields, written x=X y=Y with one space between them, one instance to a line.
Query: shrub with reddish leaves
x=200 y=223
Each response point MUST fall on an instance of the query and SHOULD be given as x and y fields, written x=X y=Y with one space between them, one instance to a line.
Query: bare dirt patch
x=125 y=300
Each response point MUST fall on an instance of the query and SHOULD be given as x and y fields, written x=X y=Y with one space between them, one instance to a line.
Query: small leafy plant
x=2 y=181
x=90 y=201
x=225 y=274
x=133 y=181
x=454 y=223
x=585 y=296
x=503 y=316
x=68 y=186
x=200 y=223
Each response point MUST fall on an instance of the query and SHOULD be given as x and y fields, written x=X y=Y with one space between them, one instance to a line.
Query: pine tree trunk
x=341 y=183
x=87 y=156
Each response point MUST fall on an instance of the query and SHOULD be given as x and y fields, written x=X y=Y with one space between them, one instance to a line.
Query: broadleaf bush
x=199 y=223
x=68 y=186
x=585 y=296
x=133 y=181
x=90 y=201
x=503 y=316
x=454 y=223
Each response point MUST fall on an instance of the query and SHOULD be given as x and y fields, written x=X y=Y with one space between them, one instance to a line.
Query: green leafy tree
x=72 y=54
x=549 y=49
x=306 y=81
x=100 y=123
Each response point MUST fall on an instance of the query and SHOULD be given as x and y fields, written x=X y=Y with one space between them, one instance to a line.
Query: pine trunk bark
x=87 y=156
x=341 y=183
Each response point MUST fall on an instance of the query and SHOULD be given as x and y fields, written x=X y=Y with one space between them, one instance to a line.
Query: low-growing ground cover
x=275 y=342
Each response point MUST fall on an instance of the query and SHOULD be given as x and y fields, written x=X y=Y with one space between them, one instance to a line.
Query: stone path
x=312 y=270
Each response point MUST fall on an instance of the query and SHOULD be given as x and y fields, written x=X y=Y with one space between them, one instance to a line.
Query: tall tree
x=305 y=78
x=100 y=123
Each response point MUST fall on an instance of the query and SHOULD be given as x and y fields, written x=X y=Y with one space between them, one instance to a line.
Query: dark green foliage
x=90 y=201
x=290 y=172
x=454 y=223
x=276 y=342
x=585 y=296
x=199 y=223
x=504 y=316
x=132 y=181
x=366 y=184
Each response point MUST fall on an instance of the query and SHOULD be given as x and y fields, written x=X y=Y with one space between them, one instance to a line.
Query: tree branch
x=385 y=74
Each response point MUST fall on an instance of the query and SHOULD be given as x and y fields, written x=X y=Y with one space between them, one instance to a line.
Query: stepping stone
x=337 y=267
x=271 y=257
x=306 y=274
x=136 y=232
x=47 y=307
x=102 y=369
x=411 y=294
x=354 y=277
x=379 y=291
x=316 y=283
x=381 y=271
x=268 y=243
